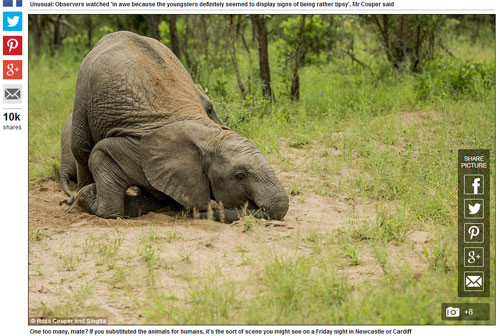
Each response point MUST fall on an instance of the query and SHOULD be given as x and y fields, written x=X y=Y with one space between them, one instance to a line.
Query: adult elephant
x=138 y=121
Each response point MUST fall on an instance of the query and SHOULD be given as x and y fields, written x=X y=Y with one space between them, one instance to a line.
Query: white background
x=14 y=175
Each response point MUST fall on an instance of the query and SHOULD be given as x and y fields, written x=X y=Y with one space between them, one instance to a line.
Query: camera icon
x=452 y=312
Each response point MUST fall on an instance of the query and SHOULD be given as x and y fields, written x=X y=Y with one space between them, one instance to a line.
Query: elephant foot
x=136 y=203
x=85 y=199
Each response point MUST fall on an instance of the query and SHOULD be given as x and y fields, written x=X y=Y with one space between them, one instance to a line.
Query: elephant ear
x=171 y=159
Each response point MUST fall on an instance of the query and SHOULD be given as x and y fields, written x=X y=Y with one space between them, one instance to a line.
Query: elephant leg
x=85 y=199
x=82 y=142
x=134 y=206
x=81 y=146
x=104 y=198
x=115 y=166
x=84 y=176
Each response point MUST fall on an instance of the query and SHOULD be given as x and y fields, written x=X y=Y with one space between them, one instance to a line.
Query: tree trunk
x=58 y=34
x=232 y=36
x=295 y=88
x=153 y=22
x=259 y=22
x=88 y=23
x=174 y=36
x=204 y=34
x=240 y=31
x=37 y=33
x=384 y=31
x=185 y=45
x=418 y=42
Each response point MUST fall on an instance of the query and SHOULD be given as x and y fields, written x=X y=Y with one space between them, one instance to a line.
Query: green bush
x=455 y=78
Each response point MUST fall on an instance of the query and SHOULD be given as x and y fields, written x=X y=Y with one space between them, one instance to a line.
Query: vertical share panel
x=473 y=222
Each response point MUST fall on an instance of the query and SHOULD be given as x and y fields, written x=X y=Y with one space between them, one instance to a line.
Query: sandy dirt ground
x=82 y=265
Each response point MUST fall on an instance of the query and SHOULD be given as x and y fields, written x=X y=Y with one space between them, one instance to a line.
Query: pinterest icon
x=12 y=45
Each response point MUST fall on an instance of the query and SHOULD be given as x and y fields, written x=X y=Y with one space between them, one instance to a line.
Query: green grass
x=49 y=107
x=70 y=261
x=38 y=234
x=148 y=252
x=395 y=147
x=173 y=235
x=107 y=248
x=77 y=305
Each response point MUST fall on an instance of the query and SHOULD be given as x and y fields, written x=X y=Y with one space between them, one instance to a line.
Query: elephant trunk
x=276 y=206
x=279 y=207
x=275 y=209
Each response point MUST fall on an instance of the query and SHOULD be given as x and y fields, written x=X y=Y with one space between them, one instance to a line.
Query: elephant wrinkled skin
x=139 y=120
x=137 y=202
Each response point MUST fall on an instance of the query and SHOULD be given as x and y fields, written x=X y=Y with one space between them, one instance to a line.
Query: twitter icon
x=12 y=21
x=473 y=208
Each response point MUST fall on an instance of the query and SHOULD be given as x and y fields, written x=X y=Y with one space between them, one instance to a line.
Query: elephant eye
x=241 y=175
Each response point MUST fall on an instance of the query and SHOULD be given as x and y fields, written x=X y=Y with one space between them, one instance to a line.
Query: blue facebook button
x=10 y=3
x=12 y=21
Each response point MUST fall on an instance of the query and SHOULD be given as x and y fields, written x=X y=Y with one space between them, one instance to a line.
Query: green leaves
x=453 y=77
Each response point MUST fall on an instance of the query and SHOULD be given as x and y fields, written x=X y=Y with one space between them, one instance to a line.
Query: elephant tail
x=64 y=182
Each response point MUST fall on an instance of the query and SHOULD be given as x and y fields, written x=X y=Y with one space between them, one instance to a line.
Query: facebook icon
x=13 y=3
x=476 y=185
x=473 y=184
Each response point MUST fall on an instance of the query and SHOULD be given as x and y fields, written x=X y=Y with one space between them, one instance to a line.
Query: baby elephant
x=137 y=202
x=138 y=120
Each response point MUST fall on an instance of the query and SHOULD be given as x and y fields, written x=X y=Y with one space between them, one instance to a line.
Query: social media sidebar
x=473 y=223
x=473 y=236
x=12 y=65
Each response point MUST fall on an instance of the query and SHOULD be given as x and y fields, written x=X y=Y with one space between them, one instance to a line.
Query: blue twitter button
x=12 y=21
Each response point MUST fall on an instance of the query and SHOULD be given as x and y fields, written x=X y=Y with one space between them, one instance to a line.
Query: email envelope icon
x=474 y=281
x=12 y=93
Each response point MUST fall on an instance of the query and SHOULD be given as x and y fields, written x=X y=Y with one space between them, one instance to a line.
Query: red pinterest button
x=12 y=45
